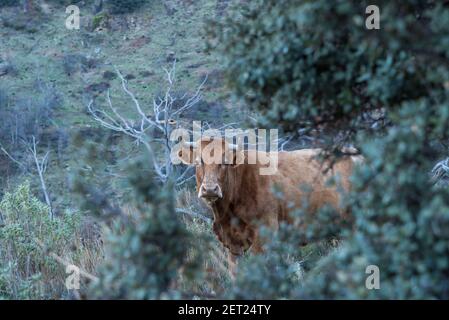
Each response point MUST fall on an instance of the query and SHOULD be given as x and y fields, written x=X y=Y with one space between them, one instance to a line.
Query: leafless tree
x=151 y=126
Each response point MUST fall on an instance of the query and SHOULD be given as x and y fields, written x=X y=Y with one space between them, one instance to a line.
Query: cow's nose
x=210 y=191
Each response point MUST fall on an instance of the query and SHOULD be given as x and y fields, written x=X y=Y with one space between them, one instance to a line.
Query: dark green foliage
x=8 y=3
x=71 y=2
x=402 y=219
x=303 y=63
x=279 y=271
x=148 y=251
x=314 y=65
x=125 y=6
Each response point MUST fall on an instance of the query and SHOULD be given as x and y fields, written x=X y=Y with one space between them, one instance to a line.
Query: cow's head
x=213 y=158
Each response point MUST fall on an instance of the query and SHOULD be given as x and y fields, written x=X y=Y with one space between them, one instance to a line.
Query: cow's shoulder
x=298 y=160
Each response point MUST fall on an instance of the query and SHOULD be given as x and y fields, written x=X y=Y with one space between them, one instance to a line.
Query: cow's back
x=304 y=180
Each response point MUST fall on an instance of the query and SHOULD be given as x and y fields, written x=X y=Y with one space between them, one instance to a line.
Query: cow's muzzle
x=210 y=193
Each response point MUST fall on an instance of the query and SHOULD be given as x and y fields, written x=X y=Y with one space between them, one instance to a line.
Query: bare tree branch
x=162 y=118
x=20 y=164
x=41 y=166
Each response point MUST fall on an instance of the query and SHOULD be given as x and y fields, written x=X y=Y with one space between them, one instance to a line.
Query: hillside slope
x=79 y=64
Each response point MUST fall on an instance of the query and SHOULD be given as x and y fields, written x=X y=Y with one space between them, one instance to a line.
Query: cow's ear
x=186 y=155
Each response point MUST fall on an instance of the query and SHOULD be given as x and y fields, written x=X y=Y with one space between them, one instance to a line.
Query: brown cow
x=241 y=198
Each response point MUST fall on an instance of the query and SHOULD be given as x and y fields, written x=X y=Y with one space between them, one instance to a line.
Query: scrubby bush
x=27 y=236
x=149 y=250
x=125 y=6
x=273 y=274
x=23 y=117
x=8 y=3
x=27 y=116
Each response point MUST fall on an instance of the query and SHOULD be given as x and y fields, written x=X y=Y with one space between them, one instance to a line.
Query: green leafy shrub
x=26 y=236
x=99 y=20
x=125 y=6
